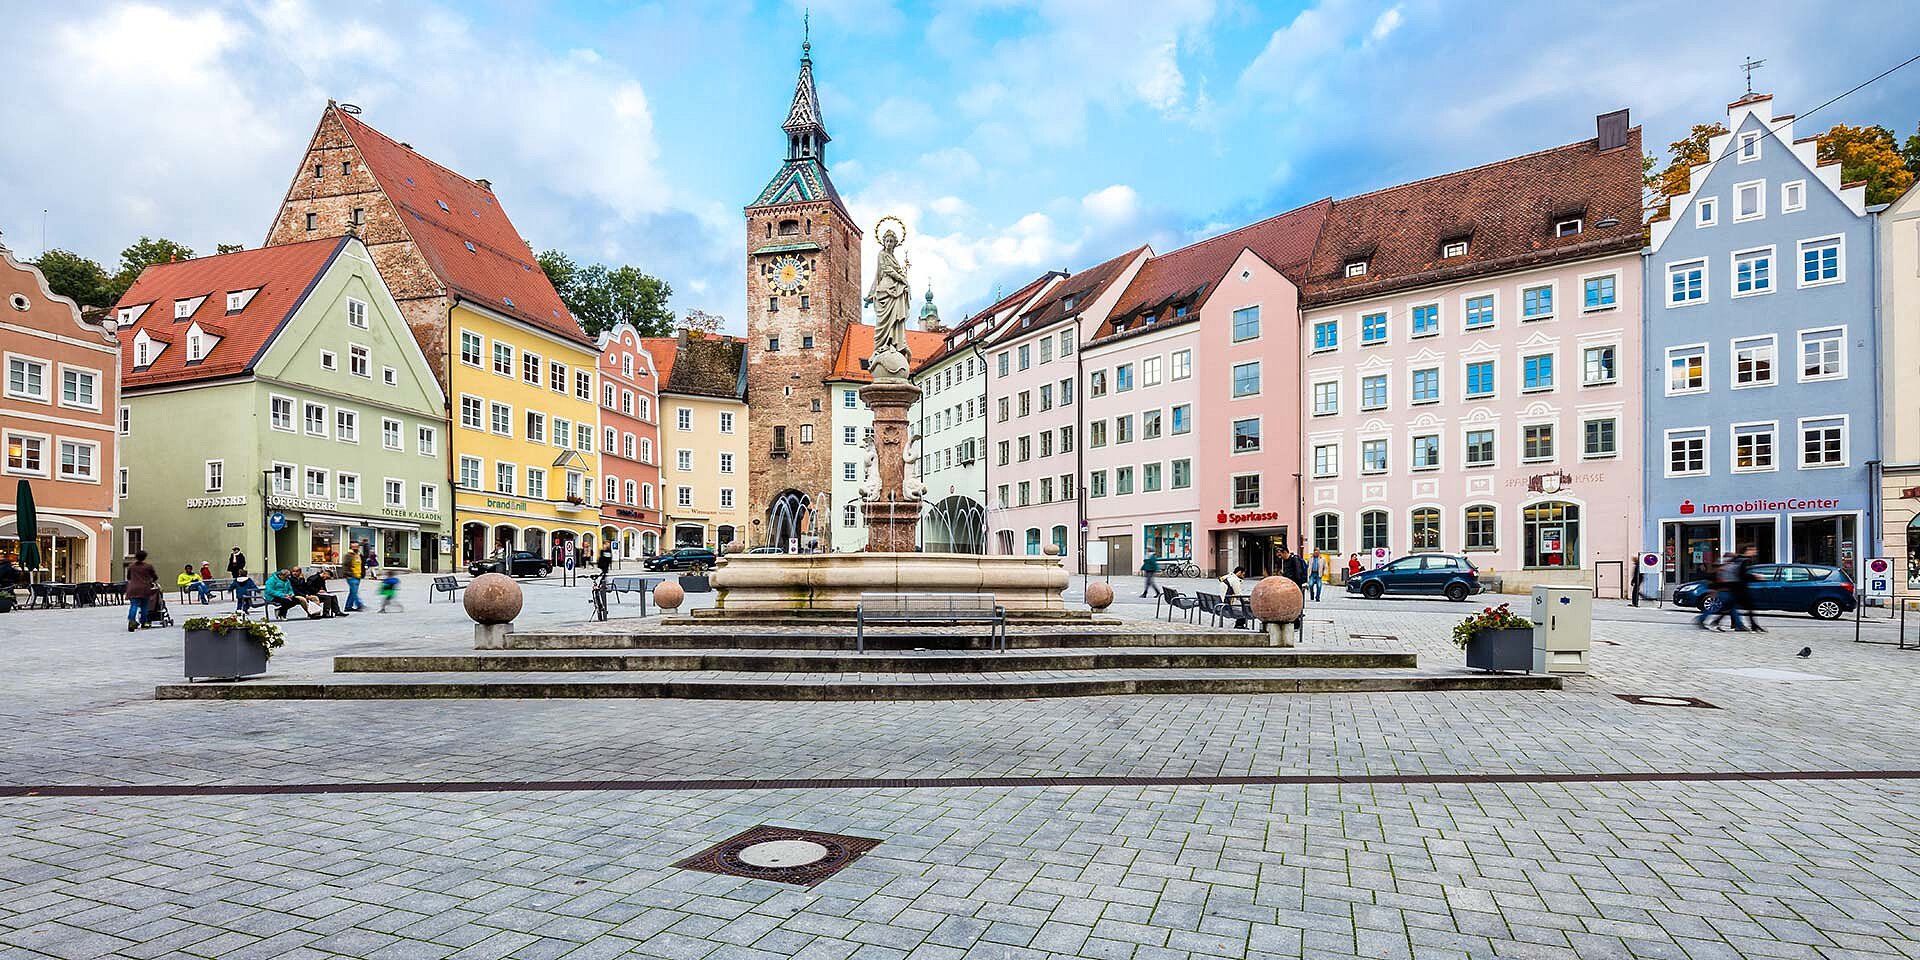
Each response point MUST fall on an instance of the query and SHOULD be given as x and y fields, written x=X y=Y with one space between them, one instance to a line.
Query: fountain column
x=893 y=520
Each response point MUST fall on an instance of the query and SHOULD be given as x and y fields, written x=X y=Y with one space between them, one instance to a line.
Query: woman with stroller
x=143 y=584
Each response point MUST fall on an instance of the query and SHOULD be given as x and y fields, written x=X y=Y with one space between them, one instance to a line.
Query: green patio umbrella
x=27 y=523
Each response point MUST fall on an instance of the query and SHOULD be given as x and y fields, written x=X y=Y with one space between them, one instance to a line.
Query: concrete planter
x=1509 y=649
x=227 y=655
x=695 y=583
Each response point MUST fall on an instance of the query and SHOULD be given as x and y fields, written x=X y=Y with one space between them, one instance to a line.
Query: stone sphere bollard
x=1278 y=602
x=668 y=596
x=1051 y=550
x=493 y=598
x=731 y=547
x=1099 y=596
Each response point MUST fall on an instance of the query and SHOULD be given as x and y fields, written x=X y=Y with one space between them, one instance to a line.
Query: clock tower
x=803 y=292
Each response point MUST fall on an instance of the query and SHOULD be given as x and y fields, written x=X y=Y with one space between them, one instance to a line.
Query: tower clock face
x=789 y=274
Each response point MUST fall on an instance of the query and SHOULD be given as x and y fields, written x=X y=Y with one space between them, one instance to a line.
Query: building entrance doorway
x=1119 y=553
x=1758 y=533
x=1259 y=550
x=1692 y=550
x=1829 y=541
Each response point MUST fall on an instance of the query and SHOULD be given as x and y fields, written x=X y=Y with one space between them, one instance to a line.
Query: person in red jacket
x=1353 y=565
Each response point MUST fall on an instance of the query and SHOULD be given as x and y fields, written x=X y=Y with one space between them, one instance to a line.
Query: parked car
x=519 y=563
x=683 y=558
x=1824 y=592
x=1425 y=574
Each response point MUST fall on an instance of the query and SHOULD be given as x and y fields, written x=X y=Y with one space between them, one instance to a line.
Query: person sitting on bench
x=279 y=595
x=314 y=588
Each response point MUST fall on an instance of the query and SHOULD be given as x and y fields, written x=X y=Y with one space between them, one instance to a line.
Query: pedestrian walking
x=605 y=560
x=1316 y=573
x=1743 y=585
x=237 y=564
x=1639 y=578
x=390 y=592
x=143 y=582
x=1148 y=568
x=356 y=571
x=1720 y=603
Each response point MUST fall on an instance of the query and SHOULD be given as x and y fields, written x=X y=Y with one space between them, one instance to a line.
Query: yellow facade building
x=703 y=439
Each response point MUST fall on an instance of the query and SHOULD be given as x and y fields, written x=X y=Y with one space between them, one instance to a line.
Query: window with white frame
x=282 y=476
x=347 y=485
x=396 y=494
x=536 y=427
x=1687 y=369
x=79 y=389
x=27 y=379
x=1749 y=200
x=1326 y=398
x=470 y=413
x=1149 y=373
x=562 y=432
x=502 y=359
x=390 y=433
x=427 y=442
x=1752 y=271
x=683 y=418
x=1823 y=354
x=356 y=313
x=1822 y=261
x=314 y=419
x=316 y=487
x=1686 y=283
x=504 y=477
x=1569 y=228
x=1687 y=452
x=501 y=419
x=1597 y=365
x=1182 y=363
x=216 y=476
x=537 y=483
x=1706 y=212
x=470 y=472
x=470 y=349
x=726 y=462
x=683 y=459
x=1823 y=442
x=346 y=425
x=429 y=497
x=359 y=361
x=1753 y=447
x=1749 y=147
x=684 y=496
x=1793 y=196
x=1326 y=460
x=1373 y=392
x=389 y=376
x=1754 y=359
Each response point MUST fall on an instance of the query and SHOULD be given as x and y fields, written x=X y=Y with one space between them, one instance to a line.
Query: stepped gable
x=463 y=233
x=1505 y=211
x=282 y=277
x=1080 y=288
x=1188 y=276
x=857 y=346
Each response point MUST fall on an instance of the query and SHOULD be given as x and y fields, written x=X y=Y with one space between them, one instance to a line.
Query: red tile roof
x=283 y=275
x=662 y=351
x=987 y=315
x=857 y=345
x=1188 y=276
x=1506 y=212
x=1081 y=288
x=462 y=230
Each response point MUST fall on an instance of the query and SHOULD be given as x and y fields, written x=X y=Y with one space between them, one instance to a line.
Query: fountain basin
x=756 y=583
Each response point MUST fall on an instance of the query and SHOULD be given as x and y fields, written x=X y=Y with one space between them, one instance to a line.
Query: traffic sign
x=277 y=520
x=1380 y=556
x=1879 y=577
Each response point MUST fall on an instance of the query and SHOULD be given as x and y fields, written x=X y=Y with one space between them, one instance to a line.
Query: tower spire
x=806 y=133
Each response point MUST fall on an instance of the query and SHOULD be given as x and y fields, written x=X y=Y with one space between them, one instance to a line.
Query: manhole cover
x=1657 y=700
x=781 y=854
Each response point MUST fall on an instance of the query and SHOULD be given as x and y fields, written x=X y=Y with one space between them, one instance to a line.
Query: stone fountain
x=789 y=587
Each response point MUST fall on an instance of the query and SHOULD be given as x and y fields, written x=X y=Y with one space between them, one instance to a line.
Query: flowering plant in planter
x=265 y=634
x=1490 y=618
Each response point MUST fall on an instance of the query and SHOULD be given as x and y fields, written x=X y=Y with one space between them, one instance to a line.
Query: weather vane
x=1750 y=66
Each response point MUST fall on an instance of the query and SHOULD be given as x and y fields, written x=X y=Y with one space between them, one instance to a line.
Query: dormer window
x=1569 y=228
x=142 y=353
x=1067 y=304
x=1180 y=311
x=182 y=309
x=237 y=300
x=1454 y=248
x=196 y=346
x=1356 y=268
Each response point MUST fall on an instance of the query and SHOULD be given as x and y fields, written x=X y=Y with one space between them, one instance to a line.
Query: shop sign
x=517 y=505
x=195 y=503
x=1688 y=508
x=424 y=515
x=629 y=513
x=1267 y=517
x=298 y=503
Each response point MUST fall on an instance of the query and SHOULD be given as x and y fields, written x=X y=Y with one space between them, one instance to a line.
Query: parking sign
x=1879 y=577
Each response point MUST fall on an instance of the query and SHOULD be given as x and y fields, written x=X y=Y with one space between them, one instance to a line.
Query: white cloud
x=1385 y=24
x=1114 y=203
x=948 y=206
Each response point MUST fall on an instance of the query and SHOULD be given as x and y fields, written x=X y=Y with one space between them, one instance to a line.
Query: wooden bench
x=451 y=586
x=929 y=608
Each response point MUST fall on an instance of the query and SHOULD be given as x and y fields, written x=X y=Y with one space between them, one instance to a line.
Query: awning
x=380 y=524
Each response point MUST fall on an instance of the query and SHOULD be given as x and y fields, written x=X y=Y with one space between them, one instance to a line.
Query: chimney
x=485 y=184
x=1613 y=130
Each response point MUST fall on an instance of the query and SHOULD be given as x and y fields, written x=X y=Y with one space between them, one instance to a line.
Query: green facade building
x=278 y=387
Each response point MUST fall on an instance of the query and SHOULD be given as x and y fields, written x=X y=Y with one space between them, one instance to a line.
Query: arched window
x=1326 y=532
x=1425 y=529
x=1480 y=529
x=1373 y=529
x=1060 y=538
x=1551 y=535
x=1033 y=541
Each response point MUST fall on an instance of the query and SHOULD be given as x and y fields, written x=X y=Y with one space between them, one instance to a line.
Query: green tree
x=1683 y=155
x=601 y=298
x=1911 y=152
x=227 y=248
x=1868 y=155
x=142 y=254
x=77 y=278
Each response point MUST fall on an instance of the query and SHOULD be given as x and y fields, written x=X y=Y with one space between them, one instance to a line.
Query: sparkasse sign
x=1267 y=517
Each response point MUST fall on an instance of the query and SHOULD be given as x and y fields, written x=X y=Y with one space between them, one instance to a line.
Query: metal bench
x=451 y=586
x=640 y=585
x=930 y=608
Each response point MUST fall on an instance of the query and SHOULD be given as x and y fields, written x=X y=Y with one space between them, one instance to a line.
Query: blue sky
x=1012 y=137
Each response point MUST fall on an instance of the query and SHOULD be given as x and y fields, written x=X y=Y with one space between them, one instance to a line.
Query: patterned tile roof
x=282 y=275
x=968 y=329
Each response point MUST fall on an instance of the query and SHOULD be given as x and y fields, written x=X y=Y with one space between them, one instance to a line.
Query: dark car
x=519 y=563
x=1424 y=574
x=1824 y=592
x=683 y=558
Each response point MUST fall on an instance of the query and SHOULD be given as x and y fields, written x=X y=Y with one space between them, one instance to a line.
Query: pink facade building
x=1471 y=366
x=630 y=516
x=1192 y=405
x=1033 y=426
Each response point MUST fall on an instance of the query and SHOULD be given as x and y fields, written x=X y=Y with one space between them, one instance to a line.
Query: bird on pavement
x=1805 y=652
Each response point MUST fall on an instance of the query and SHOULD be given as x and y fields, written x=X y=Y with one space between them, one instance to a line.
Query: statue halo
x=878 y=224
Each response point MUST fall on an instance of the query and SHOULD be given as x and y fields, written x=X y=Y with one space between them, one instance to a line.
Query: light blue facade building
x=1762 y=359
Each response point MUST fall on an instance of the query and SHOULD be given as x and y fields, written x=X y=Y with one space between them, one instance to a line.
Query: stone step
x=668 y=637
x=850 y=686
x=839 y=617
x=792 y=661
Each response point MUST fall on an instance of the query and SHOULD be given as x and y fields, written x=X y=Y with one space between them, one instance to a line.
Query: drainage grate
x=1656 y=700
x=1372 y=636
x=1610 y=643
x=780 y=854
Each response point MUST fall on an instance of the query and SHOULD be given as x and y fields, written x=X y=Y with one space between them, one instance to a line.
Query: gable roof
x=705 y=366
x=1505 y=210
x=1079 y=288
x=857 y=345
x=1187 y=277
x=463 y=232
x=283 y=275
x=978 y=325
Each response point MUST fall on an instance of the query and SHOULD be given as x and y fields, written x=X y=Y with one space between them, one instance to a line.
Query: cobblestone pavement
x=1794 y=867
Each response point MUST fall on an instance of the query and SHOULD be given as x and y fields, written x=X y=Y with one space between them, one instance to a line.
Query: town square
x=958 y=481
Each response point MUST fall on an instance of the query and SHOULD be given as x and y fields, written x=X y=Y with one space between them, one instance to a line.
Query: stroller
x=157 y=614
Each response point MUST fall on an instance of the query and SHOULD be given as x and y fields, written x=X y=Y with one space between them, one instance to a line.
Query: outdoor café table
x=51 y=594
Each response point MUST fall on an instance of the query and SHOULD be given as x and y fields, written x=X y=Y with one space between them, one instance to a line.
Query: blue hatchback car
x=1824 y=592
x=1426 y=574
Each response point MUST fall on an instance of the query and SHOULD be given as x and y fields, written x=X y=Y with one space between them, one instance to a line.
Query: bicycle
x=597 y=597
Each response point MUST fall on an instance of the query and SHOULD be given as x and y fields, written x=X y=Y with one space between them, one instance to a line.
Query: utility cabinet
x=1562 y=628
